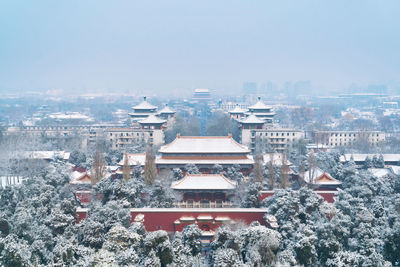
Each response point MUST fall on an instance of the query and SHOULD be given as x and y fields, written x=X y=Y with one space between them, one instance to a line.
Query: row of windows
x=345 y=144
x=345 y=140
x=353 y=134
x=275 y=134
x=128 y=134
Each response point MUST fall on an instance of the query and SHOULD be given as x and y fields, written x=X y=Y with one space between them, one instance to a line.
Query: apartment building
x=330 y=139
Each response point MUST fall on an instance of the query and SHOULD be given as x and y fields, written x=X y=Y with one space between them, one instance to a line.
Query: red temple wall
x=164 y=220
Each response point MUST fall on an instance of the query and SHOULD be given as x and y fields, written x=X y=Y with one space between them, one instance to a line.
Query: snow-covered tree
x=252 y=196
x=160 y=197
x=192 y=169
x=217 y=169
x=191 y=238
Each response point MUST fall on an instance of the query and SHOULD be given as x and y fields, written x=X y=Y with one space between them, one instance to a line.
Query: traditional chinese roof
x=252 y=119
x=144 y=105
x=166 y=110
x=259 y=105
x=80 y=177
x=204 y=144
x=319 y=177
x=204 y=182
x=248 y=160
x=134 y=159
x=237 y=110
x=151 y=119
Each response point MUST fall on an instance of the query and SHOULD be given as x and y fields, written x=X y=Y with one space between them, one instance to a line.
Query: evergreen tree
x=252 y=196
x=367 y=163
x=192 y=169
x=159 y=197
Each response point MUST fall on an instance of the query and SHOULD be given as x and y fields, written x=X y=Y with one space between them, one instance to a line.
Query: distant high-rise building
x=250 y=88
x=201 y=95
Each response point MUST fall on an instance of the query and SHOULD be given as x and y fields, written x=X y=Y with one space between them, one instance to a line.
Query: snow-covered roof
x=252 y=119
x=201 y=90
x=204 y=161
x=204 y=217
x=151 y=119
x=222 y=219
x=237 y=110
x=204 y=182
x=49 y=155
x=166 y=110
x=395 y=169
x=276 y=159
x=259 y=105
x=80 y=177
x=191 y=211
x=204 y=144
x=144 y=105
x=187 y=218
x=319 y=177
x=69 y=116
x=261 y=114
x=379 y=172
x=134 y=159
x=362 y=157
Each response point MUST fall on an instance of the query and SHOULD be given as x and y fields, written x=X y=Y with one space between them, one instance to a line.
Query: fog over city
x=70 y=47
x=199 y=133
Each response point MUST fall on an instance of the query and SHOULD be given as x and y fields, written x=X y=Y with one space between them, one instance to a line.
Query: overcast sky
x=163 y=45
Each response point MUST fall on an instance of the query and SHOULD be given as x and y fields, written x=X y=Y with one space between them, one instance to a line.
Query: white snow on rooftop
x=134 y=159
x=49 y=155
x=205 y=161
x=319 y=177
x=253 y=119
x=151 y=119
x=166 y=110
x=259 y=105
x=238 y=109
x=144 y=105
x=204 y=144
x=204 y=182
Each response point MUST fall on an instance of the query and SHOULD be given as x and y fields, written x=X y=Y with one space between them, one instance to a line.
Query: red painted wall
x=81 y=215
x=154 y=221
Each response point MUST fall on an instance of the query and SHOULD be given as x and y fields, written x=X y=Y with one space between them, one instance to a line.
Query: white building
x=330 y=139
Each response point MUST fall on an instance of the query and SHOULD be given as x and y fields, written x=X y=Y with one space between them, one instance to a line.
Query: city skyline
x=134 y=47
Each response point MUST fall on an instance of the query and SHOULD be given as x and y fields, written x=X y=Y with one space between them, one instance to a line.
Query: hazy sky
x=163 y=45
